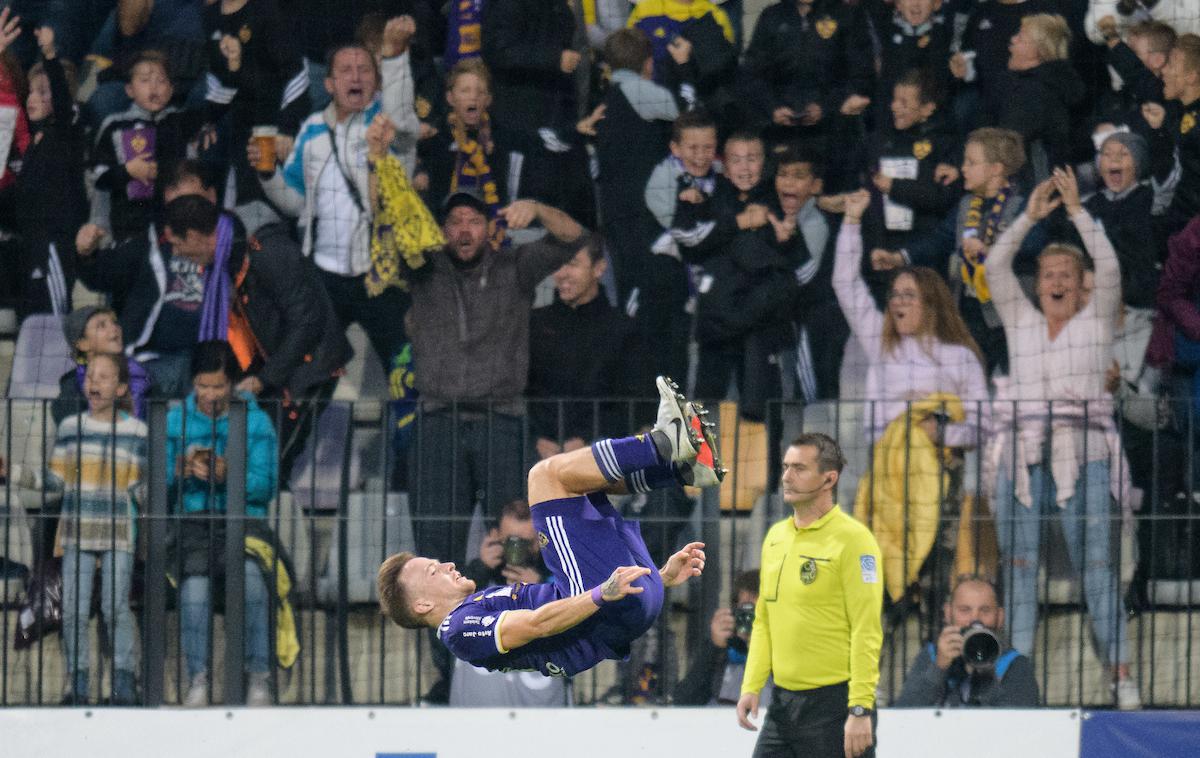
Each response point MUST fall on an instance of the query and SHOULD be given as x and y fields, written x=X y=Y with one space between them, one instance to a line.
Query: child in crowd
x=821 y=330
x=469 y=151
x=46 y=202
x=688 y=174
x=959 y=246
x=693 y=48
x=132 y=144
x=915 y=35
x=92 y=331
x=744 y=283
x=1139 y=61
x=99 y=463
x=910 y=201
x=630 y=140
x=1181 y=88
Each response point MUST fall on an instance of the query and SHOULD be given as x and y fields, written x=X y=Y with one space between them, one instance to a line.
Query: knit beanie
x=1137 y=148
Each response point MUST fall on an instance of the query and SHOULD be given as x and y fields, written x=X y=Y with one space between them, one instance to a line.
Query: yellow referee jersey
x=818 y=618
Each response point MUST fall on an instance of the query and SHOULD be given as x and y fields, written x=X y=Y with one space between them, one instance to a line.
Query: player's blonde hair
x=393 y=599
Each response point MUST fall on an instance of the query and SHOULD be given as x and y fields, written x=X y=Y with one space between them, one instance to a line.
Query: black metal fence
x=374 y=478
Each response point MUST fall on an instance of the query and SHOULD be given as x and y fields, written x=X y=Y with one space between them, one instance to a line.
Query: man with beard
x=469 y=325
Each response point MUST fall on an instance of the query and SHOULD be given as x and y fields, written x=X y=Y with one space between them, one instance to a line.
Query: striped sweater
x=98 y=466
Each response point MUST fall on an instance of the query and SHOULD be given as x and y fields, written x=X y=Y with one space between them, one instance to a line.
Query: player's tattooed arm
x=519 y=628
x=609 y=590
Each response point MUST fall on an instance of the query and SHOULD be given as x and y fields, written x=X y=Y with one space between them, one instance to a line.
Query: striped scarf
x=984 y=227
x=471 y=170
x=463 y=35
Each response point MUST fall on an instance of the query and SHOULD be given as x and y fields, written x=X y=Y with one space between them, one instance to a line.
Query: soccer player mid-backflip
x=604 y=590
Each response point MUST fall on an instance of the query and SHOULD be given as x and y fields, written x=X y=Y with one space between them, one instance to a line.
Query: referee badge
x=808 y=571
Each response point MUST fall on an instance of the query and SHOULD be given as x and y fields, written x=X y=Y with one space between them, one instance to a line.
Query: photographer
x=968 y=665
x=509 y=553
x=715 y=672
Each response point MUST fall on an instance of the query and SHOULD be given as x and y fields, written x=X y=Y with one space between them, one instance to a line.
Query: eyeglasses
x=905 y=297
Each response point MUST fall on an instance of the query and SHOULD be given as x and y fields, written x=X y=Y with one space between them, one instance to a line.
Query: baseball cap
x=464 y=196
x=75 y=323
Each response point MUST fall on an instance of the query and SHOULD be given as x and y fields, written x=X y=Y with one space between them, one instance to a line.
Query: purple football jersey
x=470 y=633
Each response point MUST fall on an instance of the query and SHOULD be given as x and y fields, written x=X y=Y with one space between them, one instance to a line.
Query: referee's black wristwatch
x=858 y=710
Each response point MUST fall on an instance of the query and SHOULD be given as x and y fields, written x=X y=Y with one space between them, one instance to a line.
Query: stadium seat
x=376 y=528
x=316 y=478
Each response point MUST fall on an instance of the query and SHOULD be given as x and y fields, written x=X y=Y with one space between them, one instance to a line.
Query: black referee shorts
x=807 y=724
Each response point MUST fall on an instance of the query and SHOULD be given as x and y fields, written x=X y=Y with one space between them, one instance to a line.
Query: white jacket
x=293 y=189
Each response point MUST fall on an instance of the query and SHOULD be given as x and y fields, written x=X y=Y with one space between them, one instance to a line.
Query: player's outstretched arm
x=685 y=564
x=517 y=628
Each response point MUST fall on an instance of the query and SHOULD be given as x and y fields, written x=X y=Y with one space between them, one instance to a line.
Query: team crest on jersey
x=244 y=34
x=808 y=571
x=660 y=32
x=422 y=107
x=923 y=41
x=543 y=540
x=921 y=149
x=826 y=27
x=1188 y=122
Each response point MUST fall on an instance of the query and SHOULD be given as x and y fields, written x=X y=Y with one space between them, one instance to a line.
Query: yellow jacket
x=900 y=497
x=287 y=642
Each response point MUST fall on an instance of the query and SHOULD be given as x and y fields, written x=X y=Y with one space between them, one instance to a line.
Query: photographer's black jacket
x=927 y=686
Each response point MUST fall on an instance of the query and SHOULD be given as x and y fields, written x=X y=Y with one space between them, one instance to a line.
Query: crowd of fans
x=995 y=199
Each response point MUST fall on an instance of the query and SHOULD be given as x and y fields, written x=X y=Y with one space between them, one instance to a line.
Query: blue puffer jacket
x=203 y=431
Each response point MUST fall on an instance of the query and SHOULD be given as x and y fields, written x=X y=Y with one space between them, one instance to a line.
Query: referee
x=817 y=625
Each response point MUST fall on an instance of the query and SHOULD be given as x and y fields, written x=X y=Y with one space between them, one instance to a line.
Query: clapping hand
x=856 y=205
x=885 y=260
x=1068 y=189
x=231 y=47
x=784 y=228
x=1154 y=115
x=945 y=174
x=143 y=169
x=88 y=238
x=855 y=105
x=1042 y=201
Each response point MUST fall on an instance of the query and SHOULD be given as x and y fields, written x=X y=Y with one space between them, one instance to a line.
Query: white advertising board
x=495 y=733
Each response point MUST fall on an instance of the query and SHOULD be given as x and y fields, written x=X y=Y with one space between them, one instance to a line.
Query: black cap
x=464 y=196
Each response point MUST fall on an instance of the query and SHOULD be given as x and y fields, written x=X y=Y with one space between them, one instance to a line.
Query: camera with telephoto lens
x=743 y=619
x=516 y=551
x=743 y=623
x=981 y=646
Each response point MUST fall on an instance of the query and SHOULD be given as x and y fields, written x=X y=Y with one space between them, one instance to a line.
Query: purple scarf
x=218 y=287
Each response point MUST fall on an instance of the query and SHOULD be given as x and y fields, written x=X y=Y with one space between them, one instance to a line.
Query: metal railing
x=376 y=478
